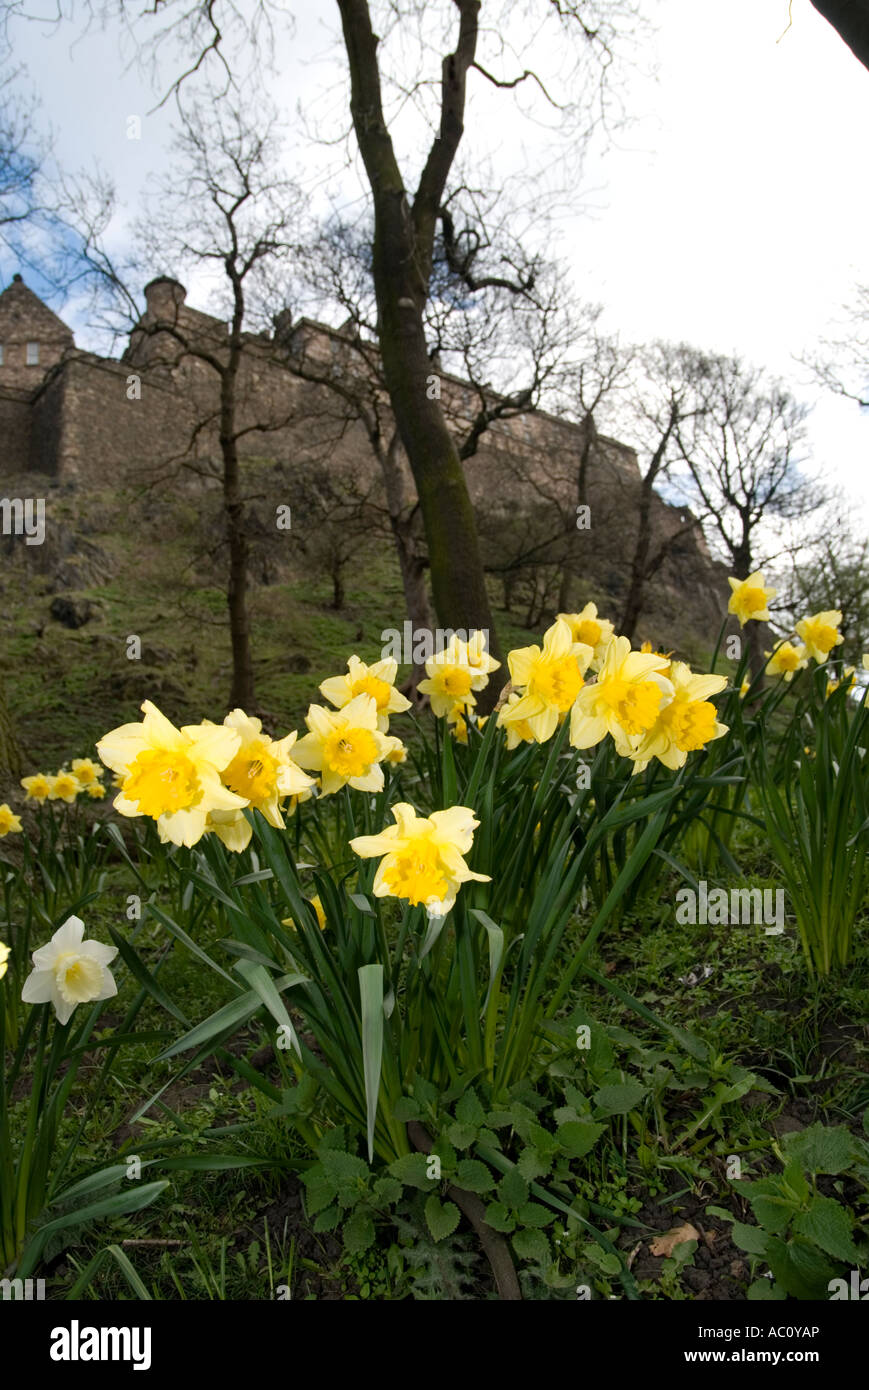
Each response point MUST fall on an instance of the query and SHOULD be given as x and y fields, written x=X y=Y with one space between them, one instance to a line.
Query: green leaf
x=328 y=1219
x=462 y=1136
x=531 y=1245
x=406 y=1108
x=821 y=1148
x=371 y=1005
x=751 y=1239
x=765 y=1291
x=499 y=1218
x=513 y=1189
x=532 y=1164
x=828 y=1225
x=319 y=1190
x=387 y=1191
x=533 y=1214
x=469 y=1111
x=343 y=1168
x=801 y=1269
x=442 y=1218
x=264 y=985
x=771 y=1210
x=578 y=1137
x=410 y=1170
x=618 y=1100
x=358 y=1233
x=474 y=1176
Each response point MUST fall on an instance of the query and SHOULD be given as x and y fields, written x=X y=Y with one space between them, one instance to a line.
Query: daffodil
x=262 y=770
x=86 y=771
x=10 y=824
x=786 y=660
x=95 y=790
x=423 y=856
x=345 y=746
x=232 y=828
x=586 y=627
x=64 y=786
x=318 y=909
x=548 y=679
x=848 y=679
x=821 y=634
x=70 y=971
x=172 y=775
x=395 y=752
x=750 y=598
x=517 y=728
x=684 y=725
x=647 y=647
x=37 y=787
x=4 y=959
x=744 y=687
x=378 y=681
x=456 y=672
x=624 y=701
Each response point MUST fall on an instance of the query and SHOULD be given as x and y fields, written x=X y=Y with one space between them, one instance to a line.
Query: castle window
x=32 y=357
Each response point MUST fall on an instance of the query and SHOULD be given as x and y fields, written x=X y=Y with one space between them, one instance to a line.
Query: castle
x=76 y=416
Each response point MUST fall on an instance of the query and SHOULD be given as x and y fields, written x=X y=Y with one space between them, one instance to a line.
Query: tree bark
x=242 y=693
x=11 y=767
x=401 y=265
x=850 y=19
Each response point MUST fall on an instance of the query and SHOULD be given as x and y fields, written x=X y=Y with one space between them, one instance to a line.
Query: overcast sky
x=732 y=214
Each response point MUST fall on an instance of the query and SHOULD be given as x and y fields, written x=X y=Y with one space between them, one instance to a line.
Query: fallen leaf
x=666 y=1244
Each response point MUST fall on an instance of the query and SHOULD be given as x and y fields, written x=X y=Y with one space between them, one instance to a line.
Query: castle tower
x=32 y=338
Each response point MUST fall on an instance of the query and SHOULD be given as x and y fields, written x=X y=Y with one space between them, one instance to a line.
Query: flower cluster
x=452 y=677
x=82 y=778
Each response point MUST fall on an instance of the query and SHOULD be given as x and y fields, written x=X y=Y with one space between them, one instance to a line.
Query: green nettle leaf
x=474 y=1176
x=765 y=1291
x=830 y=1226
x=534 y=1214
x=358 y=1232
x=771 y=1209
x=410 y=1170
x=821 y=1148
x=513 y=1189
x=532 y=1164
x=446 y=1153
x=328 y=1219
x=619 y=1099
x=462 y=1136
x=577 y=1137
x=319 y=1190
x=605 y=1260
x=343 y=1168
x=532 y=1245
x=387 y=1191
x=469 y=1111
x=406 y=1108
x=442 y=1218
x=751 y=1239
x=499 y=1218
x=799 y=1268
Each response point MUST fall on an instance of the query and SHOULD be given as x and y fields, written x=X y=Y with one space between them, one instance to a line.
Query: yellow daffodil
x=786 y=660
x=454 y=673
x=318 y=908
x=422 y=856
x=848 y=679
x=395 y=750
x=64 y=786
x=345 y=746
x=821 y=634
x=750 y=598
x=70 y=971
x=744 y=688
x=458 y=724
x=86 y=771
x=4 y=959
x=517 y=729
x=624 y=701
x=172 y=775
x=95 y=790
x=647 y=647
x=232 y=828
x=586 y=627
x=684 y=725
x=548 y=679
x=37 y=787
x=295 y=801
x=262 y=770
x=10 y=824
x=378 y=681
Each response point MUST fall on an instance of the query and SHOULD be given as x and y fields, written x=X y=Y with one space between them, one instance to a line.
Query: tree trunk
x=850 y=19
x=637 y=586
x=242 y=692
x=11 y=766
x=567 y=591
x=415 y=591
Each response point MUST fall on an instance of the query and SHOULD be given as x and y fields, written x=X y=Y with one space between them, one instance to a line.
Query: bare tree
x=743 y=454
x=842 y=363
